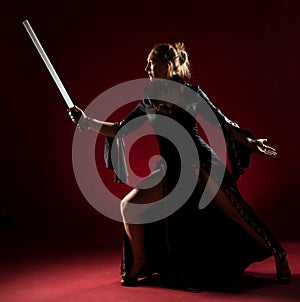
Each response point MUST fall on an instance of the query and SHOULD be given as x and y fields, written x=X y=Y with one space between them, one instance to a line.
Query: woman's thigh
x=148 y=191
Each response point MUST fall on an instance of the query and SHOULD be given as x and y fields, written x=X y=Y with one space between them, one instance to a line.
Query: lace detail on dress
x=260 y=230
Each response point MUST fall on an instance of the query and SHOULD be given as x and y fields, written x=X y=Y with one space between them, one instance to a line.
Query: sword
x=51 y=69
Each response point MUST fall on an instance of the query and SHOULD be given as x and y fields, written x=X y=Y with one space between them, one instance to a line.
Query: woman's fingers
x=266 y=150
x=272 y=149
x=74 y=114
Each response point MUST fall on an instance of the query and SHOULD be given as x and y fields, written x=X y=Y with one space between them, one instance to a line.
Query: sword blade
x=49 y=65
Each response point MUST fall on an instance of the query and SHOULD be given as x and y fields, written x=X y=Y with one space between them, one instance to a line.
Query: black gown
x=195 y=248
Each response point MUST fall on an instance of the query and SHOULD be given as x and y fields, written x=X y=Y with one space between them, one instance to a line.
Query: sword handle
x=76 y=114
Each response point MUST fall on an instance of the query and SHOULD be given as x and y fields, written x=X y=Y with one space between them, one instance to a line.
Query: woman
x=191 y=248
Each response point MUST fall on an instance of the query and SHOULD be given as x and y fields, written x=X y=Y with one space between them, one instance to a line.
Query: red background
x=244 y=55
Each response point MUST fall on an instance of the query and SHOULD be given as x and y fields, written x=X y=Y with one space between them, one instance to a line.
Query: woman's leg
x=230 y=203
x=135 y=231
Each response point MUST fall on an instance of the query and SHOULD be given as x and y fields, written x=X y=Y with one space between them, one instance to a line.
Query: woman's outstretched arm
x=258 y=145
x=243 y=137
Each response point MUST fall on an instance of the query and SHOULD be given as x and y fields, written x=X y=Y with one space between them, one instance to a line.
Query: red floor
x=50 y=274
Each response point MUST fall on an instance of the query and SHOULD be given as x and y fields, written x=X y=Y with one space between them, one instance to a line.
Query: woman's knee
x=130 y=198
x=131 y=213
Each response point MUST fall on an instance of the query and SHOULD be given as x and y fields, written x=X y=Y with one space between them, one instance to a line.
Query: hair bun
x=180 y=48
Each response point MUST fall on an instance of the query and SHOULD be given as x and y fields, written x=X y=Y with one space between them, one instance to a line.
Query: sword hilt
x=76 y=114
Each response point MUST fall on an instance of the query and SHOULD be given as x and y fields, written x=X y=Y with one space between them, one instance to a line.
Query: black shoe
x=129 y=281
x=144 y=271
x=283 y=277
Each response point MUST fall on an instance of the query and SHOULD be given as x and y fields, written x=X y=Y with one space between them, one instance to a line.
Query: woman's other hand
x=260 y=146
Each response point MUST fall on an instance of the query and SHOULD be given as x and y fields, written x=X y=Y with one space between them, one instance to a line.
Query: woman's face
x=156 y=68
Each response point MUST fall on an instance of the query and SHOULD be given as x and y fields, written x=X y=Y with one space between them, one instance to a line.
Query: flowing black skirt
x=201 y=249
